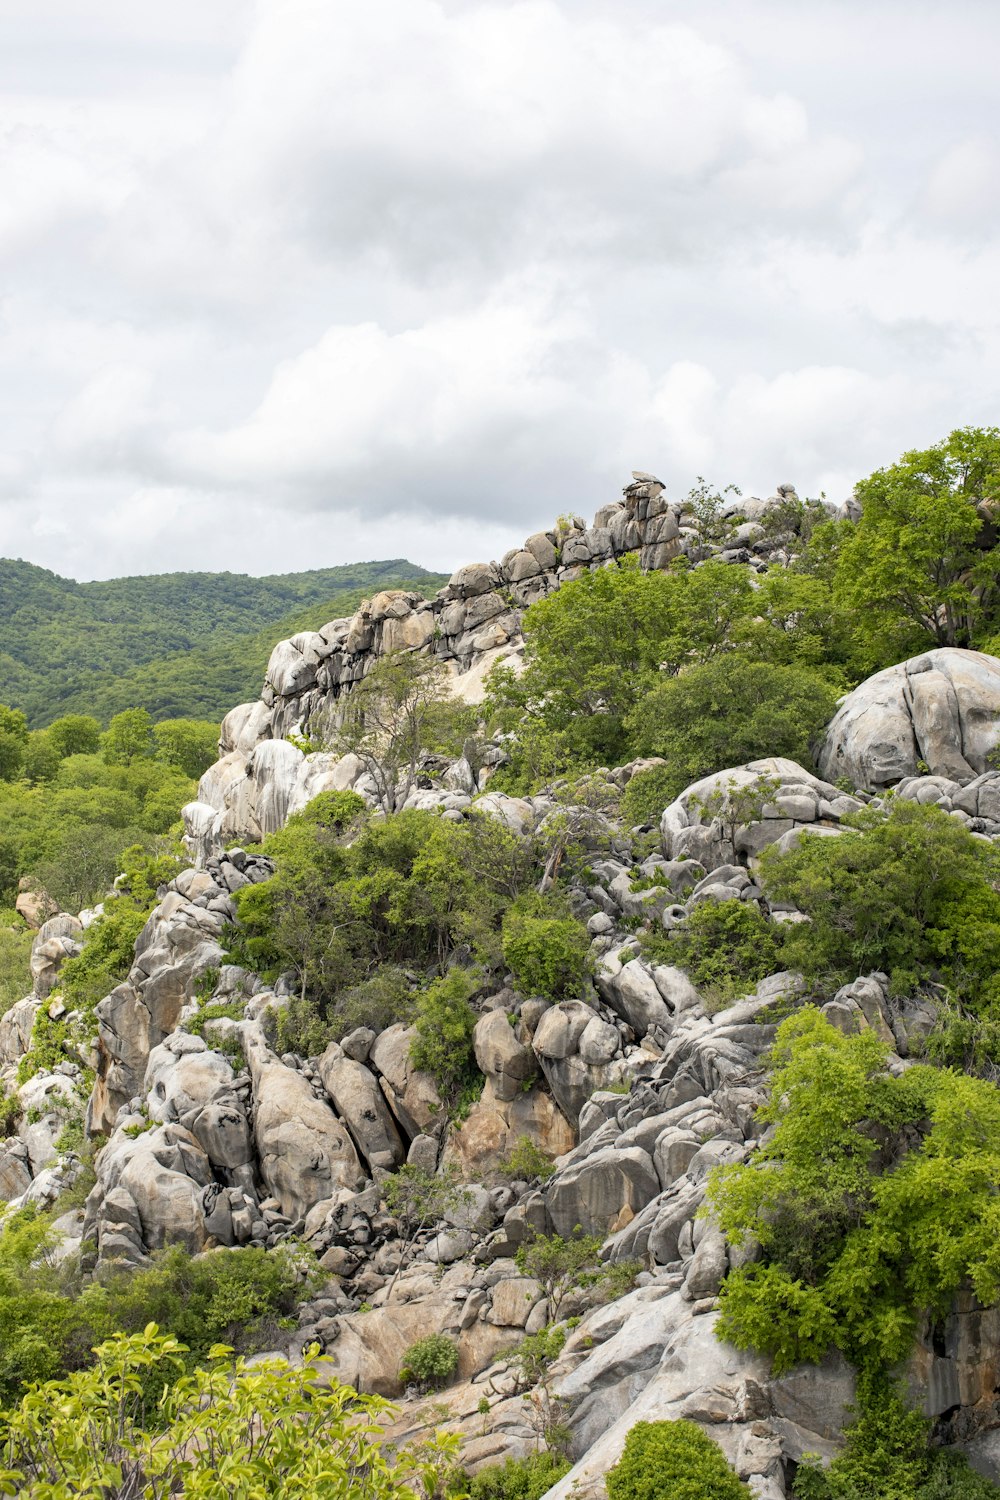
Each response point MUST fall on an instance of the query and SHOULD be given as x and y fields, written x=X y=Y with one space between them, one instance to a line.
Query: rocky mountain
x=179 y=644
x=624 y=1096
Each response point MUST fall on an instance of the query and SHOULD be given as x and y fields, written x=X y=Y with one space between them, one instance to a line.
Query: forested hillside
x=182 y=645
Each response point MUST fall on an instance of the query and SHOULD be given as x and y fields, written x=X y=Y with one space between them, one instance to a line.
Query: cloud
x=300 y=282
x=433 y=138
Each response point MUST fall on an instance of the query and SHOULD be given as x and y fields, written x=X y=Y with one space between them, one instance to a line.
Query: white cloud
x=291 y=283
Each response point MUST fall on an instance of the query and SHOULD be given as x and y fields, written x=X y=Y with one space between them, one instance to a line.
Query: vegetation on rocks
x=672 y=1461
x=251 y=1432
x=51 y=1318
x=430 y=1362
x=872 y=1202
x=907 y=890
x=727 y=947
x=863 y=1199
x=182 y=645
x=519 y=1478
x=728 y=711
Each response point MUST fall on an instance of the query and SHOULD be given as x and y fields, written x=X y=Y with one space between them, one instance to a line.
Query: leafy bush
x=887 y=1453
x=519 y=1478
x=50 y=1322
x=647 y=794
x=852 y=1255
x=407 y=891
x=672 y=1461
x=430 y=1362
x=303 y=1027
x=906 y=890
x=546 y=950
x=727 y=947
x=444 y=1025
x=728 y=711
x=526 y=1161
x=269 y=1430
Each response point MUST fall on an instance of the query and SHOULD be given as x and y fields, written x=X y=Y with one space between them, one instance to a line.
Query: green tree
x=594 y=647
x=248 y=1432
x=728 y=711
x=546 y=949
x=865 y=1225
x=192 y=745
x=75 y=734
x=129 y=737
x=727 y=947
x=388 y=720
x=906 y=890
x=444 y=1024
x=13 y=742
x=41 y=756
x=924 y=553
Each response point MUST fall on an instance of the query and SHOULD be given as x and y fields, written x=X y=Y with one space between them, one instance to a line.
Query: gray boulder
x=942 y=709
x=360 y=1103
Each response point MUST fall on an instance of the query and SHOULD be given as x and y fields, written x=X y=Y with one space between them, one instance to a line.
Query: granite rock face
x=938 y=712
x=472 y=623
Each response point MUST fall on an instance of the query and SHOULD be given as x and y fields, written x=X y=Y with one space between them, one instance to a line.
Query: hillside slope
x=179 y=644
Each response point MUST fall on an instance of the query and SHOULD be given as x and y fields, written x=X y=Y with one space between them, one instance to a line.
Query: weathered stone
x=593 y=1192
x=360 y=1103
x=942 y=709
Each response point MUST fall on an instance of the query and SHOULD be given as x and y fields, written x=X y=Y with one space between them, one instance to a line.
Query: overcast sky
x=300 y=282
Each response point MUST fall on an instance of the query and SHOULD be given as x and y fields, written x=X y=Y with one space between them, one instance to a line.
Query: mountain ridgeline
x=181 y=645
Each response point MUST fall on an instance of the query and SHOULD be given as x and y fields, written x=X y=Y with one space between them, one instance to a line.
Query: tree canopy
x=925 y=552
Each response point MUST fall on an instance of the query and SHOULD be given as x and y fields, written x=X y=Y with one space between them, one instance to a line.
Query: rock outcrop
x=937 y=713
x=472 y=623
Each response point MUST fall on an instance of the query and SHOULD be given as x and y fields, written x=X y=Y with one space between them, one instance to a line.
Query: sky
x=295 y=283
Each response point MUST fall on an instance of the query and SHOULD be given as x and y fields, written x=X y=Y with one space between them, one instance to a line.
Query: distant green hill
x=179 y=644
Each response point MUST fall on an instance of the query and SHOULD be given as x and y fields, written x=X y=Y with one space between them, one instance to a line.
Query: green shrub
x=728 y=711
x=853 y=1256
x=906 y=890
x=430 y=1362
x=267 y=1430
x=51 y=1322
x=444 y=1025
x=526 y=1161
x=672 y=1461
x=647 y=794
x=887 y=1453
x=519 y=1478
x=547 y=953
x=727 y=947
x=407 y=892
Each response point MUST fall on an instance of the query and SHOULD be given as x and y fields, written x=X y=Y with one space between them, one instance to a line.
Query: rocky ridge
x=635 y=1089
x=472 y=623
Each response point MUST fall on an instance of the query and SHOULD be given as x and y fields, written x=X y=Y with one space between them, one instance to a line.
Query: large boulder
x=593 y=1193
x=509 y=1063
x=495 y=1126
x=410 y=1093
x=56 y=940
x=360 y=1103
x=306 y=1154
x=738 y=812
x=940 y=711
